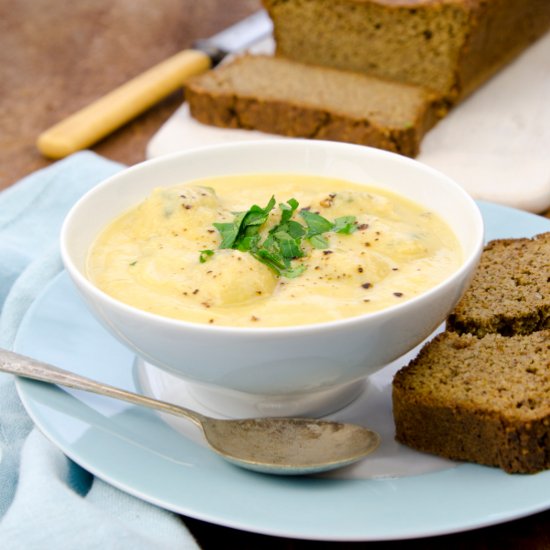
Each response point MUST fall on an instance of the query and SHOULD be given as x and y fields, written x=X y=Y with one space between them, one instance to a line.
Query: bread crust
x=499 y=30
x=478 y=400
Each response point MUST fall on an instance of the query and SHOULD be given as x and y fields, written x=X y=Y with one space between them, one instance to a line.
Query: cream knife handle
x=103 y=116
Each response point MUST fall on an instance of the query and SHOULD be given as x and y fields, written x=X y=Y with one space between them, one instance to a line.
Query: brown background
x=57 y=56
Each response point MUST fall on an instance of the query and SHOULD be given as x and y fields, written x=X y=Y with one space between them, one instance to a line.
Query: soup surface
x=163 y=256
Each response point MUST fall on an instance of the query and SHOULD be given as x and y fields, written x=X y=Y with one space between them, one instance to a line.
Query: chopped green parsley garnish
x=204 y=255
x=283 y=243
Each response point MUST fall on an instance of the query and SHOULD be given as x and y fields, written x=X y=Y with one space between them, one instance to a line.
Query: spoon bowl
x=279 y=445
x=290 y=446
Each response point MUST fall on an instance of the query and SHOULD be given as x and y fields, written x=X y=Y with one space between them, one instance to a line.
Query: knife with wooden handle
x=97 y=120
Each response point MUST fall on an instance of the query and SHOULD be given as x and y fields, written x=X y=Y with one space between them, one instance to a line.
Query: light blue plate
x=132 y=449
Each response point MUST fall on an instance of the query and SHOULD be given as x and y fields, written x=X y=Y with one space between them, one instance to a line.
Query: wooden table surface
x=57 y=56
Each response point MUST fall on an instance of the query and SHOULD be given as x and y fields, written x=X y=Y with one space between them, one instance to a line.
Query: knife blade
x=237 y=37
x=108 y=113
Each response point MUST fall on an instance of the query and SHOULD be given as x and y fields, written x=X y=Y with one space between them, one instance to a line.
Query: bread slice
x=278 y=96
x=451 y=46
x=483 y=400
x=510 y=291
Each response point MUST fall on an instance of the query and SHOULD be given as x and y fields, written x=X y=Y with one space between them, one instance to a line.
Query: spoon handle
x=27 y=367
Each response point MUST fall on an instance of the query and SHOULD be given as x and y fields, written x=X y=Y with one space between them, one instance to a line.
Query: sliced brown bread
x=278 y=96
x=451 y=46
x=483 y=400
x=510 y=291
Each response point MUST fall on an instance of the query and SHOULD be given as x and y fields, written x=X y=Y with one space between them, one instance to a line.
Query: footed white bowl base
x=235 y=404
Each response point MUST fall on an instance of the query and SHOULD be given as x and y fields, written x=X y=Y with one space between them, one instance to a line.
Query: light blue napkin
x=47 y=501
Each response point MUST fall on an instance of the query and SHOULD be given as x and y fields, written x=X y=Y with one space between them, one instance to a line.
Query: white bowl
x=309 y=369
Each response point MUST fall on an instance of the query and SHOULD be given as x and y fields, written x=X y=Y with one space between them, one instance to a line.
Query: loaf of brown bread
x=510 y=291
x=483 y=400
x=452 y=46
x=279 y=96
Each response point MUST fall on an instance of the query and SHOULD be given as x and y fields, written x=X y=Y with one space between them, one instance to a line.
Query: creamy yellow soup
x=151 y=256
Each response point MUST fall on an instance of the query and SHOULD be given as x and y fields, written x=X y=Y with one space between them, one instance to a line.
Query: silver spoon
x=275 y=445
